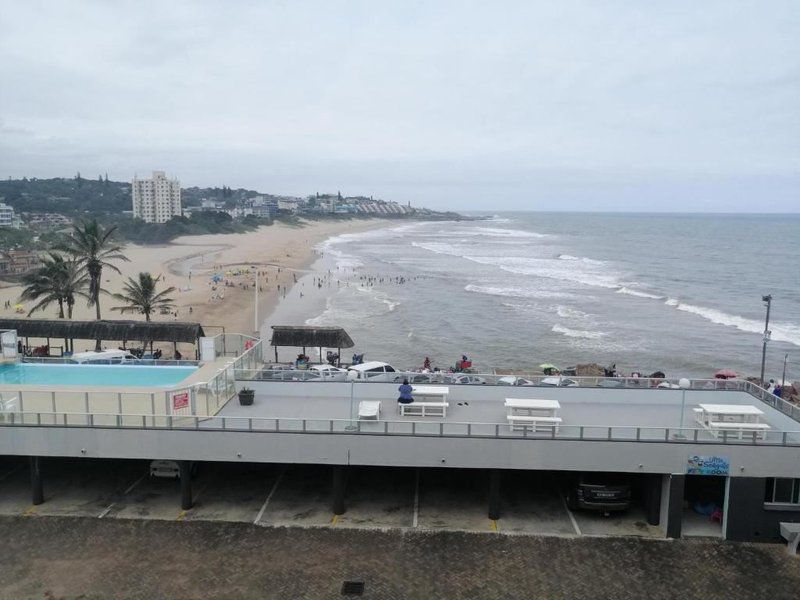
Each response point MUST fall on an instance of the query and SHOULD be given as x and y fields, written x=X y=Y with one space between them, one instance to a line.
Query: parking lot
x=532 y=503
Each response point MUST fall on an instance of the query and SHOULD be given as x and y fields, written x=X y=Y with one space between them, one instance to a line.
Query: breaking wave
x=781 y=332
x=577 y=333
x=638 y=294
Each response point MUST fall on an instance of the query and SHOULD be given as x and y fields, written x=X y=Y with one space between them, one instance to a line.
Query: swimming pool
x=93 y=375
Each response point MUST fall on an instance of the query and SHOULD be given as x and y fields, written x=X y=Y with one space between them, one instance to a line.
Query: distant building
x=16 y=262
x=47 y=220
x=156 y=200
x=6 y=215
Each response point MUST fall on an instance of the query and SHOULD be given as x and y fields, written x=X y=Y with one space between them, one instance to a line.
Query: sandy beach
x=276 y=255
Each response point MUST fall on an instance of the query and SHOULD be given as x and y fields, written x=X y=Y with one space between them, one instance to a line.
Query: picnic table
x=433 y=392
x=435 y=407
x=736 y=418
x=532 y=412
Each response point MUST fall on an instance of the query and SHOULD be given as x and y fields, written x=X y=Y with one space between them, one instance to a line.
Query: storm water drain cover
x=352 y=588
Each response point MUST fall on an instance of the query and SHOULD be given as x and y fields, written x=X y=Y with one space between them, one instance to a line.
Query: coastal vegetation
x=109 y=202
x=59 y=280
x=93 y=247
x=140 y=296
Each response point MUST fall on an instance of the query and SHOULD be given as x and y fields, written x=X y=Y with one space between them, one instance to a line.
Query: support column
x=37 y=485
x=652 y=498
x=494 y=494
x=674 y=507
x=185 y=467
x=339 y=480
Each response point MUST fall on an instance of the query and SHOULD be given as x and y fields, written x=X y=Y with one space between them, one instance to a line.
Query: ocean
x=675 y=293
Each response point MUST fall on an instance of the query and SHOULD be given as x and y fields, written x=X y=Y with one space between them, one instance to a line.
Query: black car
x=603 y=492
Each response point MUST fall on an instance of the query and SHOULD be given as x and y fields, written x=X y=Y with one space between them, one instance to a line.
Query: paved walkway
x=64 y=557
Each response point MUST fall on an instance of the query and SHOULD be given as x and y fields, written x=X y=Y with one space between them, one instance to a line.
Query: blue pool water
x=92 y=375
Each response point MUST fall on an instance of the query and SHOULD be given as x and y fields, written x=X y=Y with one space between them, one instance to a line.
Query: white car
x=466 y=379
x=511 y=380
x=559 y=382
x=373 y=370
x=169 y=469
x=327 y=372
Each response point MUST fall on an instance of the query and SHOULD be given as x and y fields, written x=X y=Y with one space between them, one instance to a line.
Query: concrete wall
x=749 y=519
x=380 y=450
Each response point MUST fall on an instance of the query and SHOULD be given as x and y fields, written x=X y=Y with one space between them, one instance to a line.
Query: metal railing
x=395 y=428
x=279 y=373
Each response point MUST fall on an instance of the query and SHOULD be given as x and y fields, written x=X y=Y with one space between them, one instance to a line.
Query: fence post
x=86 y=402
x=53 y=401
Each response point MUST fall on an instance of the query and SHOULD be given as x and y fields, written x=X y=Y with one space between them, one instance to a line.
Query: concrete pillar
x=652 y=498
x=674 y=509
x=339 y=481
x=494 y=494
x=37 y=486
x=186 y=484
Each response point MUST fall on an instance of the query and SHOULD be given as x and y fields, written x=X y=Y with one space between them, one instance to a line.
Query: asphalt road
x=77 y=557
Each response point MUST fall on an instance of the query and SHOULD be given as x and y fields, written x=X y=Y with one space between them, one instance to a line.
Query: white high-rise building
x=156 y=200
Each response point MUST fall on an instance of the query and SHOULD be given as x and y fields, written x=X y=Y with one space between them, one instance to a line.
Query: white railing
x=688 y=435
x=201 y=398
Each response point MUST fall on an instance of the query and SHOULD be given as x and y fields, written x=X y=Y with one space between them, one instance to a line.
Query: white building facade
x=156 y=200
x=6 y=215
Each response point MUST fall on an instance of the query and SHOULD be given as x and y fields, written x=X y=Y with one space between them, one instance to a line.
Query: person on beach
x=405 y=393
x=426 y=364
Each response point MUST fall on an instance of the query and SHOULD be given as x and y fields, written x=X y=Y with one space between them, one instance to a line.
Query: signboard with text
x=180 y=400
x=707 y=465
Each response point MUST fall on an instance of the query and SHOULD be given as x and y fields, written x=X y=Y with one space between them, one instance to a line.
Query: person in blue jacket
x=405 y=393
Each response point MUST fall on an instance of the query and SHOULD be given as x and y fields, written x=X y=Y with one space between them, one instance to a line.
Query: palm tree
x=93 y=247
x=140 y=296
x=58 y=280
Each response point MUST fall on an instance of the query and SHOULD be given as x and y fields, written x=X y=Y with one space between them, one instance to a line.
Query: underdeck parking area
x=528 y=502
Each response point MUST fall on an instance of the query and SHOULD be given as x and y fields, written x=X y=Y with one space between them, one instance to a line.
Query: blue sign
x=707 y=465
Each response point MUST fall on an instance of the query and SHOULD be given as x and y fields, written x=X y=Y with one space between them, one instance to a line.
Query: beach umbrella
x=548 y=366
x=725 y=374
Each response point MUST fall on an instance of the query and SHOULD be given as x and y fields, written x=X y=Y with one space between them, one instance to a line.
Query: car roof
x=369 y=365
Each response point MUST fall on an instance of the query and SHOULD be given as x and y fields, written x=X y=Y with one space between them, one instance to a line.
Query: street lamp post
x=768 y=301
x=684 y=384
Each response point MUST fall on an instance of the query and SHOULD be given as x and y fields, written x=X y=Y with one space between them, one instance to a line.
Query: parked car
x=559 y=382
x=461 y=379
x=372 y=370
x=510 y=380
x=327 y=372
x=169 y=469
x=603 y=492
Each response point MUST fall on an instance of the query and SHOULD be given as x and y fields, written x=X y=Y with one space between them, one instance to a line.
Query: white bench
x=531 y=421
x=791 y=533
x=436 y=393
x=424 y=409
x=739 y=428
x=369 y=410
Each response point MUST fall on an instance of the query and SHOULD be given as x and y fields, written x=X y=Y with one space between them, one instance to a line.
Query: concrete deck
x=661 y=412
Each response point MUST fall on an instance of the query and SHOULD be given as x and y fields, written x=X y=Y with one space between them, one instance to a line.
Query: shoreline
x=280 y=254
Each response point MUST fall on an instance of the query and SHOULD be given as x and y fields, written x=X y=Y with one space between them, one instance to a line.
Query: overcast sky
x=596 y=105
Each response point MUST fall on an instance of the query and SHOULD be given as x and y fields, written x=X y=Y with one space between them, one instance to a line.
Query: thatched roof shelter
x=302 y=336
x=124 y=331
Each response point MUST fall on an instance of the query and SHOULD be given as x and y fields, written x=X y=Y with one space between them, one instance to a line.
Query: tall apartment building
x=156 y=200
x=6 y=215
